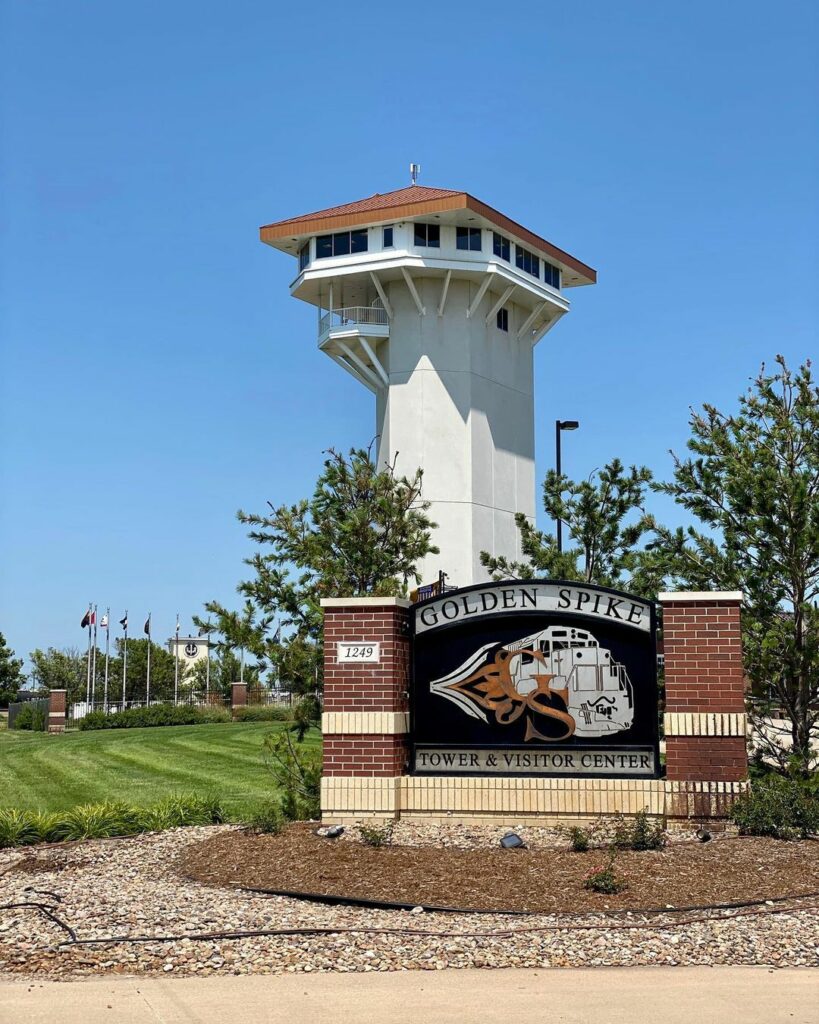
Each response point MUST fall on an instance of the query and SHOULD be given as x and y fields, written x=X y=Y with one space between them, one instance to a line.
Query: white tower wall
x=460 y=406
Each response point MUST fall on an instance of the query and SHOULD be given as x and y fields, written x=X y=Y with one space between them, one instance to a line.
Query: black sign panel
x=535 y=678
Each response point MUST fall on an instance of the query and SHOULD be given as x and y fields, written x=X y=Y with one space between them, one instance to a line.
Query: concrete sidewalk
x=641 y=995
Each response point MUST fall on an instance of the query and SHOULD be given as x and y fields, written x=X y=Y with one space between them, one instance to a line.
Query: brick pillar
x=56 y=710
x=365 y=718
x=238 y=695
x=705 y=721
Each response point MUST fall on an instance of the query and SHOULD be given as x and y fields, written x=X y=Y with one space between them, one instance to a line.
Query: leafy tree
x=605 y=523
x=11 y=675
x=60 y=669
x=752 y=481
x=225 y=669
x=363 y=531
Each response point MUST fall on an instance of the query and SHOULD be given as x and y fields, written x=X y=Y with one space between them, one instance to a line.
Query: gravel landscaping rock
x=133 y=888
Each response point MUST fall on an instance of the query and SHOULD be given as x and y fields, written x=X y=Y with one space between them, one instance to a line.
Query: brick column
x=705 y=721
x=238 y=695
x=56 y=710
x=365 y=717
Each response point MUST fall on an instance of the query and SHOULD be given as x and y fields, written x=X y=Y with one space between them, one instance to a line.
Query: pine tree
x=753 y=482
x=363 y=532
x=604 y=523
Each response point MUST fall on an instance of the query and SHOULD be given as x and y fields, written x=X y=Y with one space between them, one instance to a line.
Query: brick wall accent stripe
x=695 y=723
x=350 y=723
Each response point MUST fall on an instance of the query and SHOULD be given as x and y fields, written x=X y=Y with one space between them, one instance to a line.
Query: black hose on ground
x=360 y=901
x=364 y=930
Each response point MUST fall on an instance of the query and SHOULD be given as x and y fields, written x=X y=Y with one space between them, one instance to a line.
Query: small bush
x=604 y=878
x=32 y=717
x=580 y=838
x=262 y=713
x=640 y=833
x=376 y=835
x=267 y=818
x=777 y=807
x=154 y=715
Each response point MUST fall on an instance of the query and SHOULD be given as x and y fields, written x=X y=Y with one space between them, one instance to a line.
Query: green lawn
x=140 y=766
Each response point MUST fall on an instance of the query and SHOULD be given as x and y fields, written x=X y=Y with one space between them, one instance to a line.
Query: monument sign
x=535 y=678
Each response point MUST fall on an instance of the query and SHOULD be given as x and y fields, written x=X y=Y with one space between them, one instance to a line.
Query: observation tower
x=435 y=301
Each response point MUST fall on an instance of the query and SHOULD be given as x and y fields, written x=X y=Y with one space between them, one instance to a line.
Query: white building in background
x=189 y=650
x=434 y=302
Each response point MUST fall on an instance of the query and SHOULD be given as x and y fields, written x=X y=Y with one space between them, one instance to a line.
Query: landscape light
x=512 y=841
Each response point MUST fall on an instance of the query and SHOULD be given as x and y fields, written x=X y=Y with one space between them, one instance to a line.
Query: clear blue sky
x=156 y=375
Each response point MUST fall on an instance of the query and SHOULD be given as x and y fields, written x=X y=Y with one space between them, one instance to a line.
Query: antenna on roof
x=415 y=170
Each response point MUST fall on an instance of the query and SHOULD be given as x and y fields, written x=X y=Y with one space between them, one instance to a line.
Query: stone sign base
x=510 y=799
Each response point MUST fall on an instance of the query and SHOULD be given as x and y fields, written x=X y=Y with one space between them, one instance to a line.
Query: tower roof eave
x=406 y=204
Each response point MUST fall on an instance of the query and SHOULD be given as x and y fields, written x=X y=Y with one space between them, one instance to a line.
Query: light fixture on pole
x=559 y=426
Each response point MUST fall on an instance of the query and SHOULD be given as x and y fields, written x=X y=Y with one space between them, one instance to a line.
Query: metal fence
x=39 y=705
x=80 y=709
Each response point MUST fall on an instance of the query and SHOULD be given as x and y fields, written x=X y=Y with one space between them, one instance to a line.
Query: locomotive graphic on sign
x=560 y=673
x=535 y=676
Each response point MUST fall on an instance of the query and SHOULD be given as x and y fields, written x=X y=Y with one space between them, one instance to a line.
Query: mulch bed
x=544 y=880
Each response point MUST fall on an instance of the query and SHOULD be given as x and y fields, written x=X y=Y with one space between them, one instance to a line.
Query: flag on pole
x=104 y=622
x=87 y=619
x=124 y=621
x=147 y=626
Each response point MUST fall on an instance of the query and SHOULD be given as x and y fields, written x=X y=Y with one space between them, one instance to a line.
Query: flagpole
x=207 y=668
x=94 y=661
x=125 y=660
x=88 y=662
x=107 y=646
x=176 y=664
x=148 y=677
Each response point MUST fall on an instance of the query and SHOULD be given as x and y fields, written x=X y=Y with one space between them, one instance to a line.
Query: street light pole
x=561 y=425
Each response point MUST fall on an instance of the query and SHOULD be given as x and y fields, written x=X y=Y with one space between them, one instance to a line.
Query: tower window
x=428 y=235
x=341 y=244
x=304 y=255
x=501 y=247
x=468 y=238
x=525 y=260
x=503 y=319
x=388 y=243
x=551 y=274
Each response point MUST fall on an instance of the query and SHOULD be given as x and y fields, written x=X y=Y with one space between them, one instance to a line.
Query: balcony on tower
x=350 y=336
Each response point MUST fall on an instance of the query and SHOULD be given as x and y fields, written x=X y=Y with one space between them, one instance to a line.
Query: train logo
x=560 y=674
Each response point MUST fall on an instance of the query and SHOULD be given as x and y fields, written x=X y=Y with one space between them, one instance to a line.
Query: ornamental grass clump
x=107 y=820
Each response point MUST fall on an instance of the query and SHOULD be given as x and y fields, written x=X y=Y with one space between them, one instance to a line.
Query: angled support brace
x=382 y=294
x=413 y=291
x=500 y=303
x=359 y=362
x=533 y=316
x=444 y=290
x=479 y=295
x=352 y=371
x=382 y=373
x=548 y=326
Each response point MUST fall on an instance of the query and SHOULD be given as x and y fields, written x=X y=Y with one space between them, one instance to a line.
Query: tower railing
x=349 y=316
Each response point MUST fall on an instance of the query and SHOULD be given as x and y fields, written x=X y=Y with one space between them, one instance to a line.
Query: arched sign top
x=489 y=600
